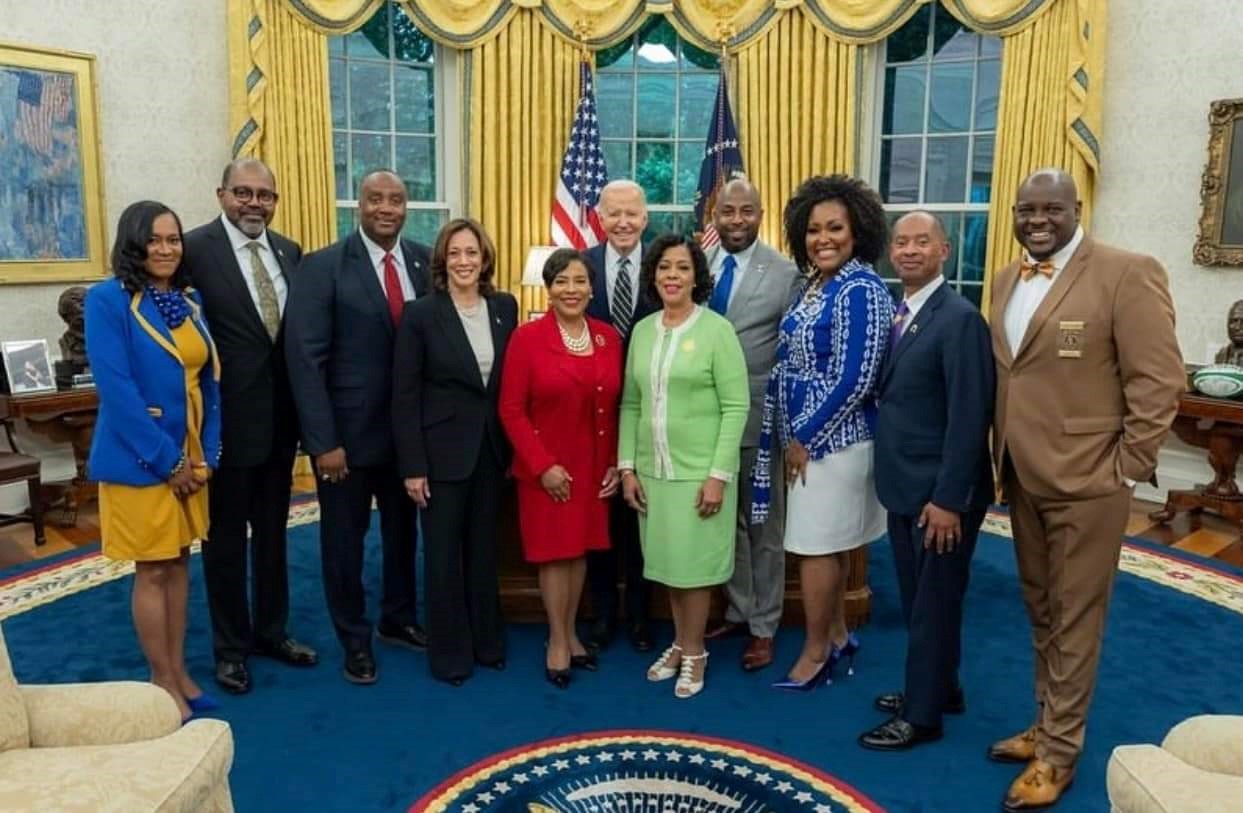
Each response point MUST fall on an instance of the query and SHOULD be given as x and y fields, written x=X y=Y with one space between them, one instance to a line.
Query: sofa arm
x=111 y=713
x=1211 y=742
x=1148 y=779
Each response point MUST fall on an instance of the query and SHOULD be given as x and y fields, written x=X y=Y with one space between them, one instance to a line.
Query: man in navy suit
x=242 y=269
x=343 y=313
x=617 y=298
x=933 y=474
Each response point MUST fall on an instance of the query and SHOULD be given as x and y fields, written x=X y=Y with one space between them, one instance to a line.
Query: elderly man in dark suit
x=617 y=299
x=933 y=474
x=243 y=270
x=343 y=314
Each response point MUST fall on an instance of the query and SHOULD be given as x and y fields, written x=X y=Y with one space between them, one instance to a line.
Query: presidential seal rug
x=639 y=771
x=508 y=741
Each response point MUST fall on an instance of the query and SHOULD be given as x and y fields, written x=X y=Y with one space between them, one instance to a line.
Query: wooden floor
x=1205 y=535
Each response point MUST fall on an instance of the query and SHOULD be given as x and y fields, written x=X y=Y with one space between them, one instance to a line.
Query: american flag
x=722 y=161
x=575 y=222
x=42 y=100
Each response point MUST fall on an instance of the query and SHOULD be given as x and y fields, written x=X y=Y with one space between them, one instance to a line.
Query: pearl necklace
x=579 y=344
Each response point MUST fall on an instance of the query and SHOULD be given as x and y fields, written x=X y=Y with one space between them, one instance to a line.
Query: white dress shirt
x=377 y=262
x=916 y=301
x=1029 y=293
x=742 y=262
x=611 y=259
x=241 y=250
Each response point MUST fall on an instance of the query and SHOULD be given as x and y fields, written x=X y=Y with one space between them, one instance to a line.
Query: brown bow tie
x=1028 y=270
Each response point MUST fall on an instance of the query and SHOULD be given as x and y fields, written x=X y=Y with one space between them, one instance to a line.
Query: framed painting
x=1220 y=241
x=51 y=193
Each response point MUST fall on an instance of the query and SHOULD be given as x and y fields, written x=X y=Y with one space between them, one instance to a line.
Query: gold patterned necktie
x=269 y=305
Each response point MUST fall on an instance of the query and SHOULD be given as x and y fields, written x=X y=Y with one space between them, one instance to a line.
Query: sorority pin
x=599 y=340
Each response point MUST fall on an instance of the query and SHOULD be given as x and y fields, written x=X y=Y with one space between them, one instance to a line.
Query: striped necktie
x=623 y=298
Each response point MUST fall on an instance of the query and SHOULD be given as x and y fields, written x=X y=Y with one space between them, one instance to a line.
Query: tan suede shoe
x=1040 y=785
x=1019 y=748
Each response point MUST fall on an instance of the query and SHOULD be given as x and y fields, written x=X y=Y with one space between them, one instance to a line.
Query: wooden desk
x=65 y=416
x=1214 y=424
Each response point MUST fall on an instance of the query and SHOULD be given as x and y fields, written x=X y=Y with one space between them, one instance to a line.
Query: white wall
x=162 y=74
x=1165 y=62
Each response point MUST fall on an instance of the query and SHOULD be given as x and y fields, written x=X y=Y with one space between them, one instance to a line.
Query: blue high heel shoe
x=822 y=676
x=848 y=651
x=202 y=703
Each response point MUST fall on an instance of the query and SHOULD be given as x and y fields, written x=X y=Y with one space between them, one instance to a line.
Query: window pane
x=422 y=225
x=656 y=101
x=951 y=98
x=336 y=90
x=910 y=42
x=345 y=220
x=369 y=96
x=690 y=156
x=986 y=85
x=990 y=46
x=416 y=164
x=615 y=103
x=899 y=170
x=973 y=293
x=654 y=171
x=340 y=167
x=617 y=158
x=659 y=223
x=945 y=176
x=698 y=95
x=370 y=41
x=409 y=43
x=951 y=40
x=413 y=99
x=336 y=46
x=974 y=246
x=981 y=170
x=370 y=152
x=904 y=100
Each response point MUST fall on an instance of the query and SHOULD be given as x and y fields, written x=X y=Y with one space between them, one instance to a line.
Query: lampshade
x=533 y=271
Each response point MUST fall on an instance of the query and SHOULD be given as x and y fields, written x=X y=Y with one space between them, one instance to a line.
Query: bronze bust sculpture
x=73 y=342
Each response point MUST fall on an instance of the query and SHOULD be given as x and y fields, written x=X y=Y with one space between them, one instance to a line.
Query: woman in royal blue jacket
x=157 y=438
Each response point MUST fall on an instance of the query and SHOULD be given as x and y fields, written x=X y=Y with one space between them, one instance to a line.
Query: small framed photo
x=27 y=366
x=533 y=315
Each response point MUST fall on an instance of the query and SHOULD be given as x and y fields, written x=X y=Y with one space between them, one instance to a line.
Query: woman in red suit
x=559 y=395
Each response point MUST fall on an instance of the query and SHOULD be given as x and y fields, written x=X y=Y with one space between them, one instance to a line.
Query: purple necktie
x=899 y=321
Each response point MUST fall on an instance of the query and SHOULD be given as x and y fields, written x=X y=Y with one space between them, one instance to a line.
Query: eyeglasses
x=245 y=194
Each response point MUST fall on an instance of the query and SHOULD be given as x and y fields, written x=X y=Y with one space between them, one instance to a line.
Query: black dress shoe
x=640 y=637
x=897 y=734
x=233 y=677
x=891 y=703
x=587 y=661
x=601 y=633
x=557 y=677
x=289 y=651
x=360 y=668
x=498 y=665
x=410 y=636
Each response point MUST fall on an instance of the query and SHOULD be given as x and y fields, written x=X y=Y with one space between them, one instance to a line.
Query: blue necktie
x=724 y=284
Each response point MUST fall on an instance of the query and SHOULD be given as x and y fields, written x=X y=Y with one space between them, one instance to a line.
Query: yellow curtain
x=796 y=110
x=279 y=112
x=1046 y=117
x=522 y=89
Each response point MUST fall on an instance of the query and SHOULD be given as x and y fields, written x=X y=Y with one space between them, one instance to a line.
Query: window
x=938 y=121
x=655 y=93
x=387 y=109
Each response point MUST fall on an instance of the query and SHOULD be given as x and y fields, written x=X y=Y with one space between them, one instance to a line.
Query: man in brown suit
x=1088 y=380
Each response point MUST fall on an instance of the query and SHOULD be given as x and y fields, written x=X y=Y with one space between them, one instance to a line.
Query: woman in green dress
x=684 y=405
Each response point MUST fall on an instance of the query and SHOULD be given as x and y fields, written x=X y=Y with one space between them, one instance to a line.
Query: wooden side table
x=1214 y=424
x=65 y=416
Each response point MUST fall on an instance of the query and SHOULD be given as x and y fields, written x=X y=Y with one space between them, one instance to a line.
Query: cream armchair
x=1197 y=769
x=95 y=747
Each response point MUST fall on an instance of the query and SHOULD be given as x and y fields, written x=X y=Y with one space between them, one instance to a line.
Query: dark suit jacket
x=599 y=305
x=257 y=411
x=935 y=409
x=339 y=346
x=442 y=412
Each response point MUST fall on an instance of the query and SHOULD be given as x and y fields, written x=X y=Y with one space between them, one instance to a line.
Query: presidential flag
x=722 y=161
x=575 y=223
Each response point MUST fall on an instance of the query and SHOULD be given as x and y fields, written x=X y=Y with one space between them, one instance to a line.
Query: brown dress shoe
x=1019 y=748
x=758 y=654
x=1040 y=785
x=724 y=629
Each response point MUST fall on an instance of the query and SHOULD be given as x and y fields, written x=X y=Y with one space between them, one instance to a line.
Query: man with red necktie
x=342 y=315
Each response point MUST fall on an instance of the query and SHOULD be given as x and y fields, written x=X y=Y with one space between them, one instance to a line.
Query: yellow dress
x=149 y=523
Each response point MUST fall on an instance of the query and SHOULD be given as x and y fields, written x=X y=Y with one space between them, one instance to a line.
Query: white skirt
x=837 y=509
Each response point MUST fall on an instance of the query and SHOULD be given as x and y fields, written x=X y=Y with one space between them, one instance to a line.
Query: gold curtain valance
x=708 y=23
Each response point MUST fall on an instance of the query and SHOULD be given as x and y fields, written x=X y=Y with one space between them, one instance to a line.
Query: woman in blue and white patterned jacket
x=821 y=406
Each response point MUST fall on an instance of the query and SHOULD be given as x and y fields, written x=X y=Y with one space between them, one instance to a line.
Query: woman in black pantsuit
x=451 y=448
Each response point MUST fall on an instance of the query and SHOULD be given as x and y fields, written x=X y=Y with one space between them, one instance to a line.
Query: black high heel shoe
x=557 y=677
x=586 y=661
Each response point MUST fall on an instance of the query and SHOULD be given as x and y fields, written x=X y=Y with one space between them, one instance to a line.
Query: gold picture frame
x=1220 y=241
x=51 y=185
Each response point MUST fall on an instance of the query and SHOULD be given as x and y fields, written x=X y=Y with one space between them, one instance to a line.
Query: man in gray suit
x=754 y=285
